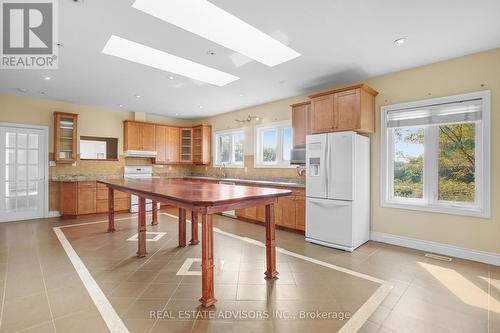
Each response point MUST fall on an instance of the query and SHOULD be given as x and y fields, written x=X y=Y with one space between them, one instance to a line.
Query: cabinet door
x=300 y=124
x=68 y=194
x=133 y=136
x=347 y=109
x=287 y=205
x=300 y=213
x=161 y=144
x=148 y=137
x=173 y=145
x=86 y=200
x=322 y=116
x=186 y=140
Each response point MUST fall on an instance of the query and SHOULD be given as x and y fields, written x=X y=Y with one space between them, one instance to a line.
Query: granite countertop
x=82 y=178
x=278 y=182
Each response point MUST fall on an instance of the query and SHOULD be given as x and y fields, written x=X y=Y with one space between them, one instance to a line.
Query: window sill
x=443 y=209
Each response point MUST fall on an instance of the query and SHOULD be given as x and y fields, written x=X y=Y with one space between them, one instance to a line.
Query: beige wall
x=462 y=75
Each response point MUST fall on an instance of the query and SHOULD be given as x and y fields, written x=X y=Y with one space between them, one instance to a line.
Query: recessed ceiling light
x=137 y=96
x=47 y=78
x=145 y=55
x=121 y=105
x=171 y=77
x=176 y=114
x=400 y=40
x=21 y=90
x=241 y=95
x=43 y=93
x=205 y=19
x=200 y=106
x=211 y=52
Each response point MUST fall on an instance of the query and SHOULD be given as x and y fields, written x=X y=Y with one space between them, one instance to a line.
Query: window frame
x=280 y=163
x=215 y=148
x=429 y=202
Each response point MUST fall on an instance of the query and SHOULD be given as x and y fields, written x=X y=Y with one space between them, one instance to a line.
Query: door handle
x=329 y=203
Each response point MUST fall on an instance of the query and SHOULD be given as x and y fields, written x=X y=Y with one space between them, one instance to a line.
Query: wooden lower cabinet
x=289 y=212
x=89 y=197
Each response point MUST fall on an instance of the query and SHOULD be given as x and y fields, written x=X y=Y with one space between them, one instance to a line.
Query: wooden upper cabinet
x=348 y=109
x=65 y=137
x=138 y=136
x=322 y=116
x=202 y=144
x=301 y=123
x=173 y=145
x=161 y=144
x=186 y=140
x=148 y=137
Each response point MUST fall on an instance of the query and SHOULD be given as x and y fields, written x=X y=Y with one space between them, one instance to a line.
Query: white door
x=329 y=222
x=316 y=165
x=23 y=163
x=341 y=165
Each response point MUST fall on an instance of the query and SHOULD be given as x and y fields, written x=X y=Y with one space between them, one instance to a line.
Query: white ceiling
x=340 y=41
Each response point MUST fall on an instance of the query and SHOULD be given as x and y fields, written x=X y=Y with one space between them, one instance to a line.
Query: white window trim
x=257 y=146
x=483 y=191
x=215 y=148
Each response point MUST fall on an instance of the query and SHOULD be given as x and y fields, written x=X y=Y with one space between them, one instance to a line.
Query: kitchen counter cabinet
x=86 y=197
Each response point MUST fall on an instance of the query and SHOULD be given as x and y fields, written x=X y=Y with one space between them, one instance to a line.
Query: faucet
x=222 y=169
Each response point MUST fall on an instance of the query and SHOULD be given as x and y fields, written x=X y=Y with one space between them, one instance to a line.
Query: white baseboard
x=444 y=249
x=54 y=213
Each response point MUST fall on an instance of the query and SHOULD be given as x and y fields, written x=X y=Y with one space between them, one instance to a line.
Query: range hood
x=298 y=155
x=140 y=153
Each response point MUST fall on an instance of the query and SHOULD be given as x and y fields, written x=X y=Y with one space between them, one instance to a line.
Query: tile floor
x=40 y=291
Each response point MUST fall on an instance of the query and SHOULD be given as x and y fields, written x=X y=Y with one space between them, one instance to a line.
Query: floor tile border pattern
x=116 y=325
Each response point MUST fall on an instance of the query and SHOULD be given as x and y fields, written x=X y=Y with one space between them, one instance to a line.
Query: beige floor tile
x=159 y=290
x=88 y=321
x=369 y=327
x=65 y=301
x=25 y=312
x=47 y=327
x=172 y=326
x=142 y=308
x=142 y=276
x=121 y=304
x=139 y=325
x=129 y=289
x=251 y=292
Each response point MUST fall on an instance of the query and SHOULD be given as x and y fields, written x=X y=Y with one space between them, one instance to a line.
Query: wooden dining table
x=200 y=198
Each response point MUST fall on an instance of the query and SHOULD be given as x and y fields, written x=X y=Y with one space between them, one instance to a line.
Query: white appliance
x=139 y=172
x=141 y=153
x=338 y=189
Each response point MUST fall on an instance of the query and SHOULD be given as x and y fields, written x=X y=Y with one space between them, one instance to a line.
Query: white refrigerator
x=338 y=189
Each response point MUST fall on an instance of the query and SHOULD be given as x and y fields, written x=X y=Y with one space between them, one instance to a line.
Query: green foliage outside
x=456 y=164
x=269 y=155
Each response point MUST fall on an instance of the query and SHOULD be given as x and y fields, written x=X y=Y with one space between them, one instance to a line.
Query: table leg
x=141 y=228
x=207 y=262
x=194 y=229
x=155 y=213
x=270 y=245
x=111 y=210
x=182 y=227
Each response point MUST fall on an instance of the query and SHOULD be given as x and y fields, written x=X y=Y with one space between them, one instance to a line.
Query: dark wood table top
x=194 y=192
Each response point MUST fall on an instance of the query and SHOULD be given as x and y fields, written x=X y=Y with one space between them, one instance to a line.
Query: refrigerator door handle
x=329 y=202
x=327 y=164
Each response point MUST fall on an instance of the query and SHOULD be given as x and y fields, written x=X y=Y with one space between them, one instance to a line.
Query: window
x=272 y=145
x=229 y=148
x=435 y=155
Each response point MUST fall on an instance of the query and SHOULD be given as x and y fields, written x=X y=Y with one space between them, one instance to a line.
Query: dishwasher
x=228 y=213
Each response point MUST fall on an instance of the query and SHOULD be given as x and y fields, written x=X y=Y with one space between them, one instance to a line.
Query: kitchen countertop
x=277 y=183
x=82 y=178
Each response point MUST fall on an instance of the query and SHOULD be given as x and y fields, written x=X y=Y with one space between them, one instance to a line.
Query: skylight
x=145 y=55
x=211 y=22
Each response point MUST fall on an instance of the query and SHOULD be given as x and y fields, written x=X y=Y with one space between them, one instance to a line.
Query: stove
x=139 y=172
